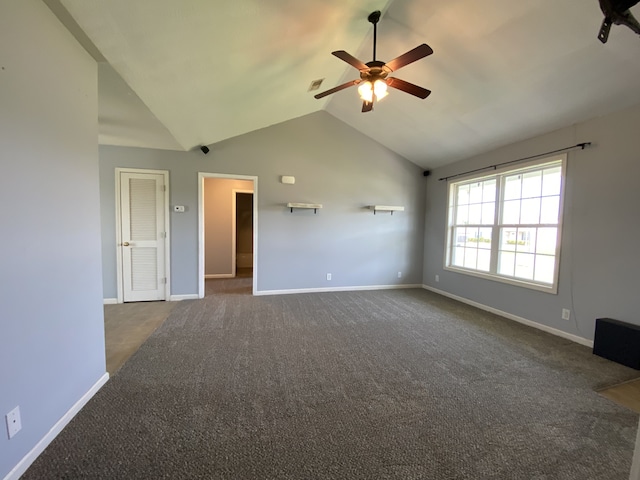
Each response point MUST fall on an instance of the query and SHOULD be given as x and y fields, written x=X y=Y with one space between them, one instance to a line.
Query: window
x=506 y=226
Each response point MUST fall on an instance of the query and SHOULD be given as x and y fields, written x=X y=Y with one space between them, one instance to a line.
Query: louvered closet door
x=143 y=236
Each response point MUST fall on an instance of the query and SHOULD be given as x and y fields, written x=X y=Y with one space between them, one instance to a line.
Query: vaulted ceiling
x=177 y=74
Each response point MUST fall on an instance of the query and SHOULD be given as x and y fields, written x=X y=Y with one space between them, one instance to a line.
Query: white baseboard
x=178 y=298
x=510 y=316
x=219 y=275
x=30 y=457
x=334 y=289
x=109 y=301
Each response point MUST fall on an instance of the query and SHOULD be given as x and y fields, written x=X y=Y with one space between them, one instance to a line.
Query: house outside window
x=506 y=226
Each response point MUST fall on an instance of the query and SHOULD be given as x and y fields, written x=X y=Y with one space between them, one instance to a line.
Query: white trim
x=167 y=229
x=201 y=273
x=234 y=227
x=499 y=174
x=30 y=457
x=510 y=316
x=109 y=301
x=336 y=289
x=219 y=275
x=179 y=298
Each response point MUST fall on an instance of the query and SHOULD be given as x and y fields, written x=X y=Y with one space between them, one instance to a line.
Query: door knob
x=125 y=244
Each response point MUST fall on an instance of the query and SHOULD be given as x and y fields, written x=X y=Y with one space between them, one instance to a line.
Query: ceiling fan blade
x=337 y=89
x=350 y=59
x=411 y=56
x=367 y=106
x=410 y=88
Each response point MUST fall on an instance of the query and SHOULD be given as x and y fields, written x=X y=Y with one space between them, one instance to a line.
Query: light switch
x=178 y=208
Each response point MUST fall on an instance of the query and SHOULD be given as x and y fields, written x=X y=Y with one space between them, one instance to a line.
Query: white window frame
x=499 y=174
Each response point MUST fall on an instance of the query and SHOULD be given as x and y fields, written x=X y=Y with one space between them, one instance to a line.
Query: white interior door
x=143 y=234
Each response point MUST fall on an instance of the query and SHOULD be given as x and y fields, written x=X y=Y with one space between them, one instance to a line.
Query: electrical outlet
x=399 y=274
x=437 y=278
x=566 y=314
x=328 y=276
x=14 y=424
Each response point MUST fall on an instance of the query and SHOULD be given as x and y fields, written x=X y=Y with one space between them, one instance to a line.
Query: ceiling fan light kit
x=374 y=75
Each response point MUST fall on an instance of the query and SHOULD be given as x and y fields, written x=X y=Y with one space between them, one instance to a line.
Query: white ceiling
x=184 y=73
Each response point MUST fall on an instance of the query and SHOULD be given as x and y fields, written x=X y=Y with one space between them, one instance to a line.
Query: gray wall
x=51 y=321
x=218 y=235
x=334 y=165
x=599 y=262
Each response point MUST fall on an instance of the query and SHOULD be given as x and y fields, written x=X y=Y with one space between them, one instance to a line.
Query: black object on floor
x=617 y=341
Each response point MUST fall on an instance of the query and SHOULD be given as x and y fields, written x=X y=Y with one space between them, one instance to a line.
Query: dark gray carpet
x=400 y=384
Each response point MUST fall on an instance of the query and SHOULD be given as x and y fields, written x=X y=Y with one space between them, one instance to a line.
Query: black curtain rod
x=581 y=146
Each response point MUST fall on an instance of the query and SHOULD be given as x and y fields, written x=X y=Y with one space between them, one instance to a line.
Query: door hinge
x=163 y=188
x=164 y=281
x=163 y=234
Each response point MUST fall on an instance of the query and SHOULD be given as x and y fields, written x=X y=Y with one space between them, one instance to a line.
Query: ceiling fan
x=374 y=78
x=618 y=12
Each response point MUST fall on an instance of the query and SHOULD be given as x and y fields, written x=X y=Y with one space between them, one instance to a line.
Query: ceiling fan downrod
x=374 y=17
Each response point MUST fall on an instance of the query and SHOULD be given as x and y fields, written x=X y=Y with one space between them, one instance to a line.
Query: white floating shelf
x=386 y=208
x=314 y=206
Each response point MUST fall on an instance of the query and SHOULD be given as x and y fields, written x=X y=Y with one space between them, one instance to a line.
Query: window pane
x=512 y=187
x=511 y=212
x=531 y=184
x=462 y=215
x=463 y=195
x=530 y=212
x=550 y=209
x=457 y=257
x=524 y=265
x=508 y=239
x=489 y=191
x=484 y=260
x=475 y=214
x=547 y=238
x=551 y=181
x=506 y=263
x=460 y=236
x=526 y=240
x=475 y=193
x=472 y=236
x=545 y=266
x=488 y=213
x=470 y=258
x=484 y=239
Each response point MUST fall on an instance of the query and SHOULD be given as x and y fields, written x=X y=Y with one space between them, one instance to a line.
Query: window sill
x=552 y=289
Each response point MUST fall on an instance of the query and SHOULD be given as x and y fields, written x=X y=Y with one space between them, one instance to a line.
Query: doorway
x=242 y=214
x=227 y=228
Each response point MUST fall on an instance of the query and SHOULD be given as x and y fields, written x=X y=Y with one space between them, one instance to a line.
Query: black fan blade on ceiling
x=411 y=56
x=367 y=106
x=350 y=59
x=410 y=88
x=338 y=88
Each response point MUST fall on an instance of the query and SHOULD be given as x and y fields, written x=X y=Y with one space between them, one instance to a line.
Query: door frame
x=201 y=177
x=167 y=228
x=234 y=226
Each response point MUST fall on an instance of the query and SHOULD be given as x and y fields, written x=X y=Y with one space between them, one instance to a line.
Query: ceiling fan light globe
x=380 y=89
x=366 y=91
